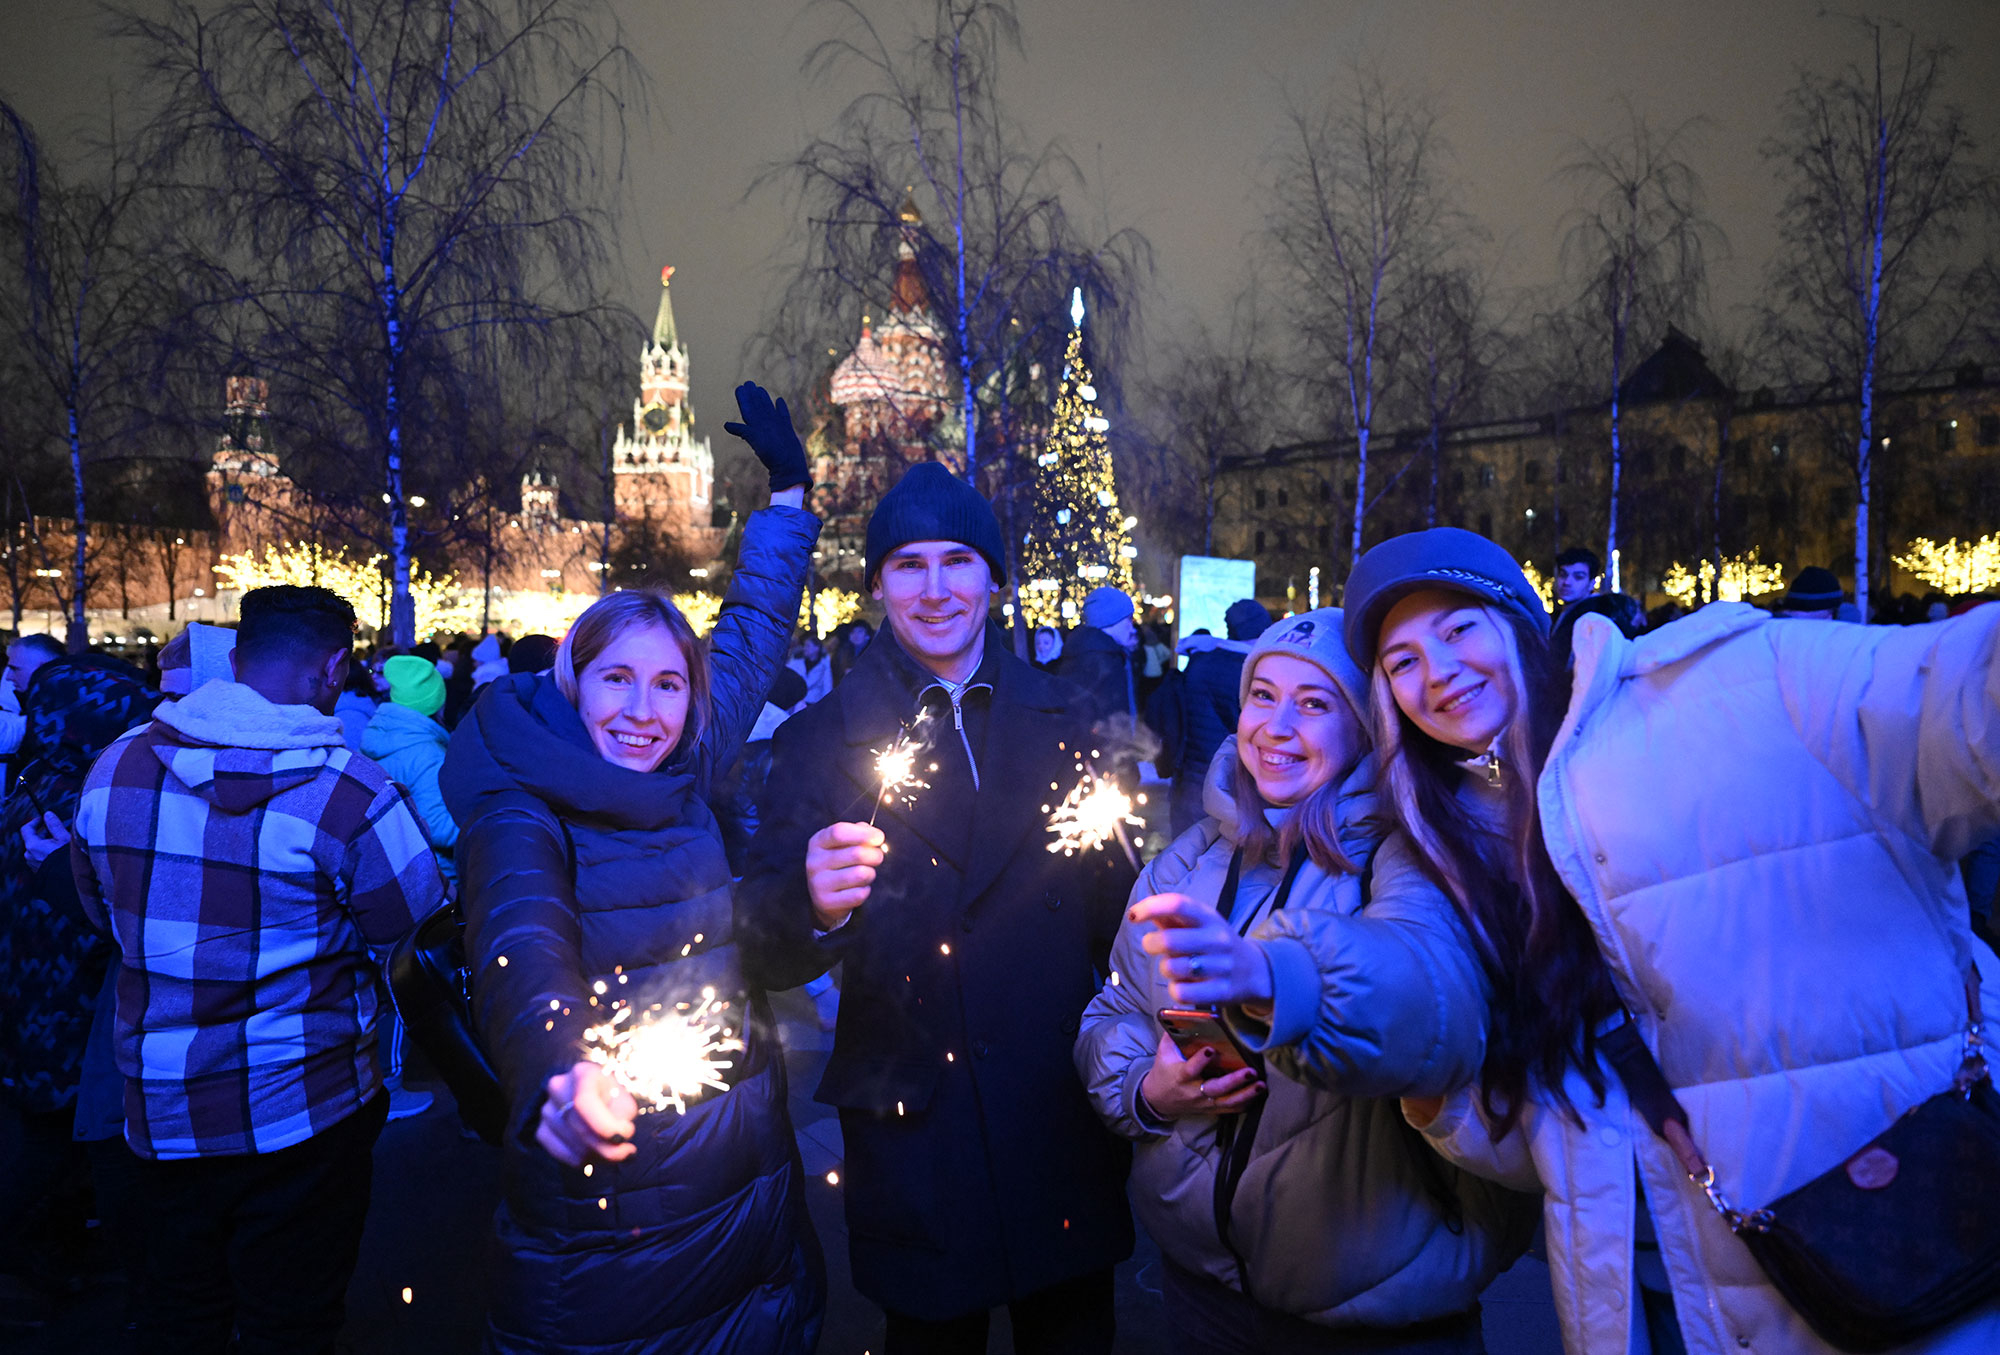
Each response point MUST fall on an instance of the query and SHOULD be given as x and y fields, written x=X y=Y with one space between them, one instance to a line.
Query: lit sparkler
x=1092 y=814
x=668 y=1060
x=896 y=767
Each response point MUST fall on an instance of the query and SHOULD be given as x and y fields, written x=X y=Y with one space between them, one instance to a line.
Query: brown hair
x=610 y=617
x=1550 y=983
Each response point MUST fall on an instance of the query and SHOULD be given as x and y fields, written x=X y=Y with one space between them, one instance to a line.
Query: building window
x=1532 y=473
x=1260 y=534
x=1486 y=477
x=1947 y=435
x=1326 y=491
x=1677 y=459
x=1841 y=500
x=1780 y=444
x=1458 y=482
x=1325 y=537
x=1260 y=503
x=1284 y=498
x=1486 y=524
x=1739 y=452
x=1643 y=462
x=1989 y=430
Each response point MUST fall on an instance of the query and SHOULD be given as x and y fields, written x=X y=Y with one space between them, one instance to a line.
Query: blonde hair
x=616 y=613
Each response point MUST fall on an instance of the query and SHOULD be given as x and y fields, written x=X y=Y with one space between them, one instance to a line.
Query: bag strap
x=1653 y=1097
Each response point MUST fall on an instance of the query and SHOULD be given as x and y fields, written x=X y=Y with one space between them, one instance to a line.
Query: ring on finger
x=1195 y=967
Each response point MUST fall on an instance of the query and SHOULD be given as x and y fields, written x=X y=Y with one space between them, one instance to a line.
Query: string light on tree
x=1741 y=577
x=1078 y=538
x=440 y=604
x=1958 y=568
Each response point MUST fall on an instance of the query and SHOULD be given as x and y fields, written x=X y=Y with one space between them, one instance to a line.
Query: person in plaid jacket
x=246 y=864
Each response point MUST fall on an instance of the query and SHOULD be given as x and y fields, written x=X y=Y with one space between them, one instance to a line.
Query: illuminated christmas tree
x=1078 y=538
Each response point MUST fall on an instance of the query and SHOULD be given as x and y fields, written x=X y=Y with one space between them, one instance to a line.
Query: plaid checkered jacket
x=245 y=862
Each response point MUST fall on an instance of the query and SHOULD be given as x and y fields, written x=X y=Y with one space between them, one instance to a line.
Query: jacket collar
x=883 y=692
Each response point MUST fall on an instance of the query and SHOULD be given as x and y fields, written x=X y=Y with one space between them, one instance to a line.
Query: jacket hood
x=1364 y=820
x=394 y=729
x=523 y=735
x=230 y=745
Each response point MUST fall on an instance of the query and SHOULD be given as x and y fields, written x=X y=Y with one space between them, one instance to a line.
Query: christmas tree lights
x=1078 y=538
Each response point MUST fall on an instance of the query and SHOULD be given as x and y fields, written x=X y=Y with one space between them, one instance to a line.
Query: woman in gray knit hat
x=1294 y=1207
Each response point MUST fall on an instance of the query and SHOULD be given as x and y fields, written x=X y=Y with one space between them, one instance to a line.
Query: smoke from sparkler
x=667 y=1060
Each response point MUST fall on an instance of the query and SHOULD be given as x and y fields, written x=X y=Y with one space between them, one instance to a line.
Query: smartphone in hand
x=1192 y=1029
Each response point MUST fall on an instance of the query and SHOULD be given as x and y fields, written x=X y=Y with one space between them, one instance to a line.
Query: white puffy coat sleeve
x=1460 y=1135
x=1908 y=717
x=1390 y=1001
x=1120 y=1035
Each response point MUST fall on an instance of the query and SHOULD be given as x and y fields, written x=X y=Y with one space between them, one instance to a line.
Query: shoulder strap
x=1653 y=1097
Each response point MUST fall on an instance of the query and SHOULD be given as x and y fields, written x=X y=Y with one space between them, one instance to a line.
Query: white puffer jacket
x=1760 y=820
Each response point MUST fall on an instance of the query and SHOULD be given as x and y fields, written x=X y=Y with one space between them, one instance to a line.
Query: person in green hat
x=403 y=735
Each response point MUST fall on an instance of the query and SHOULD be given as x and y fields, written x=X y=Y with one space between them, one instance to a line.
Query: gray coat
x=1343 y=1216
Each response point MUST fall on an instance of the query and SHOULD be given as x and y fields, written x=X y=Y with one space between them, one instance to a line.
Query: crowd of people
x=1457 y=896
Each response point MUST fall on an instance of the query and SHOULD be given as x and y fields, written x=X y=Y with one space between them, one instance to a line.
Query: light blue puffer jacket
x=1343 y=1217
x=410 y=747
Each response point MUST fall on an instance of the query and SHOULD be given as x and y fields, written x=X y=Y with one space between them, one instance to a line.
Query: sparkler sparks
x=1093 y=813
x=896 y=767
x=668 y=1060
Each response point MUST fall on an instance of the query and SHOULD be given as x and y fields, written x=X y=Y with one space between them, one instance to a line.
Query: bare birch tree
x=1449 y=342
x=371 y=181
x=87 y=301
x=1636 y=248
x=1359 y=206
x=1883 y=195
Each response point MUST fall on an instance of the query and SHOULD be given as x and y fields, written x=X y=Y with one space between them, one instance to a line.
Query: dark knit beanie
x=931 y=504
x=1443 y=557
x=1814 y=590
x=1246 y=619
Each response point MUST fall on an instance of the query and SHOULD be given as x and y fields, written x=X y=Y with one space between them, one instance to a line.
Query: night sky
x=1172 y=107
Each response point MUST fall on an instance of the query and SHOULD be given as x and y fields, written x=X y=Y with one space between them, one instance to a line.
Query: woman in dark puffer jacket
x=592 y=875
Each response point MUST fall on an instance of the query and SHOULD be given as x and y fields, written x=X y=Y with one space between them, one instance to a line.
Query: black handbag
x=1901 y=1238
x=433 y=987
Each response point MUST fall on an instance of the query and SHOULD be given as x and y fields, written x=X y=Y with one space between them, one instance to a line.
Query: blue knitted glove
x=768 y=430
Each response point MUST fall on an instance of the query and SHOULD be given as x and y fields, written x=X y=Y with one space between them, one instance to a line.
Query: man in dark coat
x=1098 y=656
x=975 y=1173
x=1209 y=703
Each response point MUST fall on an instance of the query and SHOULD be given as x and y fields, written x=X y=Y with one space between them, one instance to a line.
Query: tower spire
x=664 y=333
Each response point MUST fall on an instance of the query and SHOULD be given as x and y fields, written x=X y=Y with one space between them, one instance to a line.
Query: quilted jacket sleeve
x=1459 y=1134
x=1908 y=717
x=747 y=646
x=524 y=946
x=1120 y=1035
x=1387 y=1002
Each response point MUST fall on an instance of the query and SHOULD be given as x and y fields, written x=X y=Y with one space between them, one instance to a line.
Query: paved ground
x=429 y=1230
